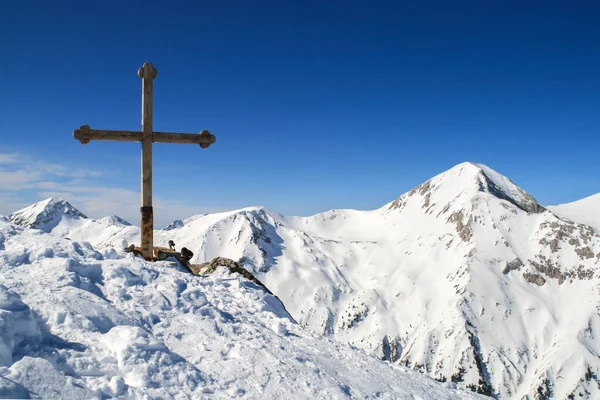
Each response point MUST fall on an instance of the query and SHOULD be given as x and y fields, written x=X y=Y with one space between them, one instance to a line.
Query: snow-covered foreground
x=77 y=323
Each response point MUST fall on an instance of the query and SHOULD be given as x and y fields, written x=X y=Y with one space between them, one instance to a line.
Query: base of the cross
x=147 y=231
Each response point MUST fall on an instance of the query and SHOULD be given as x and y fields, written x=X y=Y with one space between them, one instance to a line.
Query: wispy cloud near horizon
x=24 y=181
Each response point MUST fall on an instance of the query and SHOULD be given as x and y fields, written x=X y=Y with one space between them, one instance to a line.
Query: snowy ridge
x=585 y=211
x=77 y=323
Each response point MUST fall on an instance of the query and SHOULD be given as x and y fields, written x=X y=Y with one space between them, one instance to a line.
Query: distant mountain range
x=466 y=277
x=81 y=323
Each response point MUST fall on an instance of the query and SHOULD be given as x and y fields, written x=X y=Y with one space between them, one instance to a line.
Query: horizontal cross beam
x=85 y=134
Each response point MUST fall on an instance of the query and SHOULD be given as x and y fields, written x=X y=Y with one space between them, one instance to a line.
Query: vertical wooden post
x=147 y=72
x=147 y=136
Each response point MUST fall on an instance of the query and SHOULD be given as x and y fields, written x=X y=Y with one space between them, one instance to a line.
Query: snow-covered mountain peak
x=114 y=220
x=462 y=185
x=174 y=225
x=46 y=214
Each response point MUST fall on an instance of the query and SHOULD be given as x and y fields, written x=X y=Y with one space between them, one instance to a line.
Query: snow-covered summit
x=113 y=220
x=46 y=214
x=465 y=182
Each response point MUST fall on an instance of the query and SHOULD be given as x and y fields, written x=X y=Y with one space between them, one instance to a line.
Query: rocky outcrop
x=174 y=225
x=210 y=267
x=514 y=265
x=534 y=278
x=463 y=230
x=518 y=197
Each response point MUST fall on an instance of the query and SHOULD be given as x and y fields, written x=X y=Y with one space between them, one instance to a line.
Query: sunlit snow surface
x=586 y=211
x=465 y=278
x=76 y=323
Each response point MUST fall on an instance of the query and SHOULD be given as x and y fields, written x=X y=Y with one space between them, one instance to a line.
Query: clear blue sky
x=315 y=104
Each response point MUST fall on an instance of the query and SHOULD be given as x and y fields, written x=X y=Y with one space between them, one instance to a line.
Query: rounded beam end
x=147 y=71
x=78 y=134
x=211 y=139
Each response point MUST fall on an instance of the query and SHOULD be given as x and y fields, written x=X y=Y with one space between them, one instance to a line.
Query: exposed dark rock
x=580 y=273
x=514 y=265
x=525 y=202
x=424 y=190
x=464 y=231
x=186 y=254
x=546 y=267
x=484 y=385
x=232 y=266
x=584 y=253
x=534 y=278
x=391 y=349
x=458 y=375
x=174 y=225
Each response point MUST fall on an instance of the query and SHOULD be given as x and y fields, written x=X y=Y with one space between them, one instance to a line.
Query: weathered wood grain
x=203 y=138
x=85 y=134
x=147 y=214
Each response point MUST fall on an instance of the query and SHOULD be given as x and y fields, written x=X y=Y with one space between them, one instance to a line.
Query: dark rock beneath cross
x=184 y=257
x=186 y=254
x=210 y=267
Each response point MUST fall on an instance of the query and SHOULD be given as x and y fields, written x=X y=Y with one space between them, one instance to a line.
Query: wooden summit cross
x=84 y=134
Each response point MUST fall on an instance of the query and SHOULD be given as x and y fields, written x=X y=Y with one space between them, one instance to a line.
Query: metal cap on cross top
x=146 y=136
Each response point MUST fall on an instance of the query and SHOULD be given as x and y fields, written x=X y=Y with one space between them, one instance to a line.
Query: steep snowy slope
x=466 y=278
x=77 y=323
x=585 y=211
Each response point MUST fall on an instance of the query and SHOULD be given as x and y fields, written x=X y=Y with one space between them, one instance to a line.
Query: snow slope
x=585 y=211
x=466 y=278
x=79 y=323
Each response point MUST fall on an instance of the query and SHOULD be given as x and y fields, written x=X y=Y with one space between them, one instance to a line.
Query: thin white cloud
x=18 y=180
x=100 y=201
x=10 y=202
x=20 y=173
x=9 y=158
